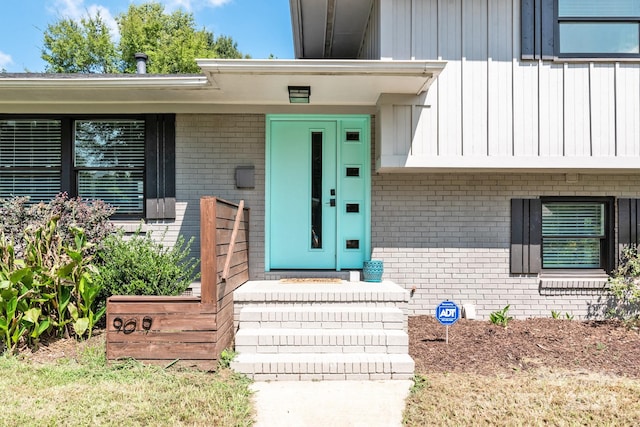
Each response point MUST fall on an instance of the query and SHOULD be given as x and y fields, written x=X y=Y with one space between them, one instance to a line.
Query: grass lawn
x=523 y=398
x=88 y=392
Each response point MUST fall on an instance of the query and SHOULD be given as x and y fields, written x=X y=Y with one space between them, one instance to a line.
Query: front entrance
x=318 y=185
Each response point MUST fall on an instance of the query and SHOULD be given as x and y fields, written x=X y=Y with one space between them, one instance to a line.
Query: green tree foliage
x=171 y=41
x=80 y=47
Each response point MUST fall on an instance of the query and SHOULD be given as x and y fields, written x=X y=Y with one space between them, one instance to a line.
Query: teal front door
x=317 y=192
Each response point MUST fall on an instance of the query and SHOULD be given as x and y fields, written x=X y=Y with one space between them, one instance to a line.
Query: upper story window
x=127 y=162
x=596 y=28
x=557 y=29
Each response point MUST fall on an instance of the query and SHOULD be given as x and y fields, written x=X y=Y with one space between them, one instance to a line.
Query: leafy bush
x=91 y=216
x=138 y=265
x=48 y=290
x=624 y=285
x=500 y=317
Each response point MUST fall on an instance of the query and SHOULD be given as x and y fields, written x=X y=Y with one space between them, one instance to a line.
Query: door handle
x=332 y=202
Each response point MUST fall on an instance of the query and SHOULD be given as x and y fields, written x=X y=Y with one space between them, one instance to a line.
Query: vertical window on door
x=316 y=190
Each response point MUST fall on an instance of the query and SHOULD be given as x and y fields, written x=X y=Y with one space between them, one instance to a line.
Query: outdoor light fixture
x=299 y=94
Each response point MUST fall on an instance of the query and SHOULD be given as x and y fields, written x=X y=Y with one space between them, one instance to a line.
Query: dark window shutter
x=537 y=29
x=527 y=29
x=160 y=169
x=628 y=221
x=526 y=236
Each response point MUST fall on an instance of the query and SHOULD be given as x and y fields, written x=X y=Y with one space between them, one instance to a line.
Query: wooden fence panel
x=189 y=330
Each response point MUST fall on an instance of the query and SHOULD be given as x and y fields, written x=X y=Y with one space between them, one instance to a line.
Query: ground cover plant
x=69 y=383
x=535 y=372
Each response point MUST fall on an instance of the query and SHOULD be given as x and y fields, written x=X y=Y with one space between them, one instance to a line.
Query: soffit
x=329 y=28
x=332 y=82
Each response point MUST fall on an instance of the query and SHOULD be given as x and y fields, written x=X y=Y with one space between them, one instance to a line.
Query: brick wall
x=448 y=235
x=209 y=147
x=445 y=234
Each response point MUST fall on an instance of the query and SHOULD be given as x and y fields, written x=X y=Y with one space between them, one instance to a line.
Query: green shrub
x=624 y=285
x=138 y=265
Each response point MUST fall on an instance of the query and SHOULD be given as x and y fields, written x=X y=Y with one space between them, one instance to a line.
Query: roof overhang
x=332 y=82
x=245 y=84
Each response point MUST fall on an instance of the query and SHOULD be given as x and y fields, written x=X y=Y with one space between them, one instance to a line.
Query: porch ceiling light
x=299 y=94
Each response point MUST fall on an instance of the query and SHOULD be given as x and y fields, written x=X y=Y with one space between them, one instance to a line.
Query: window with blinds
x=30 y=158
x=109 y=162
x=127 y=161
x=572 y=234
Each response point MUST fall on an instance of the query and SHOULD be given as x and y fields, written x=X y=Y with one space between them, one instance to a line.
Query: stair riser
x=322 y=368
x=325 y=342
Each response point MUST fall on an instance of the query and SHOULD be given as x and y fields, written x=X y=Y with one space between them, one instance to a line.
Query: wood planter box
x=188 y=330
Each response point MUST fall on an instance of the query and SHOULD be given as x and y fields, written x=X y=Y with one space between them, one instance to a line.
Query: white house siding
x=489 y=109
x=208 y=149
x=448 y=236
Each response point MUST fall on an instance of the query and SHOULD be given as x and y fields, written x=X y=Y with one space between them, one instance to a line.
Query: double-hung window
x=126 y=161
x=597 y=28
x=108 y=160
x=574 y=235
x=30 y=158
x=568 y=233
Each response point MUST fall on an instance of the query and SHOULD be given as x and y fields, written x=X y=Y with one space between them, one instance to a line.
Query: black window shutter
x=537 y=29
x=160 y=169
x=628 y=221
x=526 y=236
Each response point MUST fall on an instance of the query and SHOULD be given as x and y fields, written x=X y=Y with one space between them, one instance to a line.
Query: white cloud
x=216 y=3
x=190 y=5
x=5 y=60
x=76 y=9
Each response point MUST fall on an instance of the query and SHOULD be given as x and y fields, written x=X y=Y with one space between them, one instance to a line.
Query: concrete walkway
x=330 y=403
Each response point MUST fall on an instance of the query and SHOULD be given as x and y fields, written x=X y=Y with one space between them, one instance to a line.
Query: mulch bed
x=478 y=346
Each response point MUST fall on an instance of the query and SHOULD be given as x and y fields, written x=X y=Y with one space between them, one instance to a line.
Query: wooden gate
x=188 y=330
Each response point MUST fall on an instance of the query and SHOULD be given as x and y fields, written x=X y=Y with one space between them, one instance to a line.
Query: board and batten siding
x=489 y=109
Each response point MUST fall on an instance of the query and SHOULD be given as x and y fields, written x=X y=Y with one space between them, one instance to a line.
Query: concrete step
x=270 y=291
x=327 y=316
x=322 y=341
x=324 y=366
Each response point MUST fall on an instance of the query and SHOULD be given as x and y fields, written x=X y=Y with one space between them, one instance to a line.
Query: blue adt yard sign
x=447 y=313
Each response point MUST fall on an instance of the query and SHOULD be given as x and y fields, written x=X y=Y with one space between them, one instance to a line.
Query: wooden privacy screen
x=184 y=329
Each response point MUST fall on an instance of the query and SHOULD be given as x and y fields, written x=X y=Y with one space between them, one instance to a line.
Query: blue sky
x=260 y=27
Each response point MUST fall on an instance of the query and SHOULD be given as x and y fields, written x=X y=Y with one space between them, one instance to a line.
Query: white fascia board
x=407 y=163
x=53 y=81
x=332 y=67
